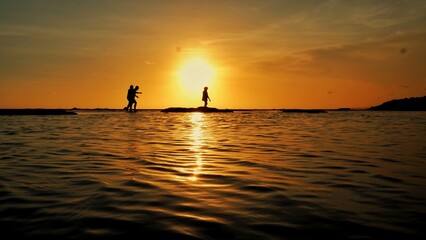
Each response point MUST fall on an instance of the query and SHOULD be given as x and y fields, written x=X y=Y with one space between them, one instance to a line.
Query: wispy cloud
x=377 y=61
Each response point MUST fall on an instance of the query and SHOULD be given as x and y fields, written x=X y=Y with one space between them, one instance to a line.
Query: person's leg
x=134 y=109
x=129 y=106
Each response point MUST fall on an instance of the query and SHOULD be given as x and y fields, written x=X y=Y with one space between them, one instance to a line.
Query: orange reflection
x=197 y=142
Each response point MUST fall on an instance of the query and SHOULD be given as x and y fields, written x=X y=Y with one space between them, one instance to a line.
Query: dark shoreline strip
x=199 y=109
x=304 y=110
x=35 y=112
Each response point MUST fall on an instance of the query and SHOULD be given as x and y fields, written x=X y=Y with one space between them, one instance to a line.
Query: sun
x=195 y=74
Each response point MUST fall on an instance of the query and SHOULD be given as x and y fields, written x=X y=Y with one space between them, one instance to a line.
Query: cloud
x=377 y=61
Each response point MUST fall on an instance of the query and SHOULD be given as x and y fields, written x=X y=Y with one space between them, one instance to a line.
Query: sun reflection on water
x=196 y=138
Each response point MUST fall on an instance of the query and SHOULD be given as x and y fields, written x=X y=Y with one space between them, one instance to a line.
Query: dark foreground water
x=241 y=175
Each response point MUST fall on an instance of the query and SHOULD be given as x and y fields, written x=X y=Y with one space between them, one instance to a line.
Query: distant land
x=304 y=110
x=35 y=111
x=405 y=104
x=199 y=109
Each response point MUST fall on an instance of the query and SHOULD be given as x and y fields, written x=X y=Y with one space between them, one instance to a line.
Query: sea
x=241 y=175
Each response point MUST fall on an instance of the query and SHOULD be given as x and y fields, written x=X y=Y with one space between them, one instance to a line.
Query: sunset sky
x=251 y=54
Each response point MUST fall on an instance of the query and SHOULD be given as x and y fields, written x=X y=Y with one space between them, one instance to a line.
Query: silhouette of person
x=205 y=96
x=135 y=96
x=130 y=97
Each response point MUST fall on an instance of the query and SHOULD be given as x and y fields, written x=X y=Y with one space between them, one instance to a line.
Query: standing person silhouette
x=205 y=96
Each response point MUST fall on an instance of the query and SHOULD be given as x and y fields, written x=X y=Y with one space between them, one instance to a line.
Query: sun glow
x=195 y=74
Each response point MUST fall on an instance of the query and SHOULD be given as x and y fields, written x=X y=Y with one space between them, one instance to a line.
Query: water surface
x=241 y=175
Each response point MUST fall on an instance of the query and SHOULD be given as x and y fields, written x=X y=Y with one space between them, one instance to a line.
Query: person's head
x=205 y=88
x=131 y=86
x=137 y=87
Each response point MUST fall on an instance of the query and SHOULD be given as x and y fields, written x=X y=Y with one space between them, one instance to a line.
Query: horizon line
x=153 y=109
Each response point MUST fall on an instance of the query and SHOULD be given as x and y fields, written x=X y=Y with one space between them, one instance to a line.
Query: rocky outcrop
x=198 y=109
x=406 y=104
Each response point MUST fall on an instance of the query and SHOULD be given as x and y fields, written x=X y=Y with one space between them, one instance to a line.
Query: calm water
x=241 y=175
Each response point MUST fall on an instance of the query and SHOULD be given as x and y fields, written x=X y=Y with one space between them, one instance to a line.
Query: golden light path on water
x=197 y=142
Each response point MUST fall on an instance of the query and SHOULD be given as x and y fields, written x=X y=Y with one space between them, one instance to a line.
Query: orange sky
x=261 y=54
